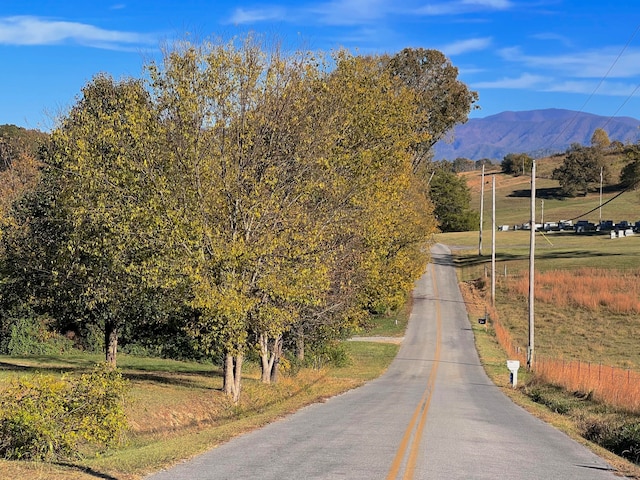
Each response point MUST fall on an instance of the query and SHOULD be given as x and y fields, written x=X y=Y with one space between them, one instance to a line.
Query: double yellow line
x=419 y=417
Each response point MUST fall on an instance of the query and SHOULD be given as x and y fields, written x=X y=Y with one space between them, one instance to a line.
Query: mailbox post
x=513 y=366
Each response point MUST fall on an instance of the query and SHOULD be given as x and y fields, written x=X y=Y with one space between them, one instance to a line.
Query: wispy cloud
x=464 y=6
x=351 y=12
x=29 y=30
x=243 y=16
x=466 y=46
x=614 y=89
x=524 y=81
x=588 y=64
x=333 y=12
x=553 y=37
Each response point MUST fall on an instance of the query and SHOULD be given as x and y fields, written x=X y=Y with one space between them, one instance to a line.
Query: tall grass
x=611 y=385
x=589 y=288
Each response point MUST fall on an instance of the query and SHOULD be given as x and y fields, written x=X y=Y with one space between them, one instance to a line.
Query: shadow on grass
x=86 y=470
x=471 y=261
x=172 y=379
x=555 y=193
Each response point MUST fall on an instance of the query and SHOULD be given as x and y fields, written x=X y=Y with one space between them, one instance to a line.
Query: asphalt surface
x=433 y=415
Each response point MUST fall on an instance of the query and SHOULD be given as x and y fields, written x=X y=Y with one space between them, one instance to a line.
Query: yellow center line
x=422 y=408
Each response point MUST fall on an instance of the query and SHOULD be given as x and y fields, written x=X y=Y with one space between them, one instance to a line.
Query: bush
x=328 y=355
x=621 y=438
x=32 y=336
x=43 y=417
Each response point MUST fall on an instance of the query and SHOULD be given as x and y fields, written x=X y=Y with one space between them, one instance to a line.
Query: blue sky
x=517 y=54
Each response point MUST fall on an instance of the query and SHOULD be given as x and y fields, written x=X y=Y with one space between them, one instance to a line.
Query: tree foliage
x=630 y=173
x=517 y=163
x=251 y=199
x=600 y=139
x=442 y=99
x=452 y=201
x=581 y=170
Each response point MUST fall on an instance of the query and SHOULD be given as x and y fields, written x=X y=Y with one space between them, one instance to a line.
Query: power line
x=608 y=201
x=568 y=124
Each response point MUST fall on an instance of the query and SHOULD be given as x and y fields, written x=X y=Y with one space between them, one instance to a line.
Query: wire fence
x=619 y=387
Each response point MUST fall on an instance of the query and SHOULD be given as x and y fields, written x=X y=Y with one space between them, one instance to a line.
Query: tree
x=244 y=147
x=103 y=205
x=630 y=173
x=484 y=161
x=452 y=200
x=443 y=101
x=17 y=142
x=600 y=139
x=461 y=164
x=580 y=170
x=517 y=163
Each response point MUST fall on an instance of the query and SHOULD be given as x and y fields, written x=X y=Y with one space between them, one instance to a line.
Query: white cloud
x=524 y=81
x=613 y=89
x=464 y=6
x=351 y=12
x=553 y=37
x=494 y=4
x=589 y=64
x=28 y=30
x=465 y=46
x=243 y=16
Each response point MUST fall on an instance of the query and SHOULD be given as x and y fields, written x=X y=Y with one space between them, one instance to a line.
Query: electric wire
x=568 y=124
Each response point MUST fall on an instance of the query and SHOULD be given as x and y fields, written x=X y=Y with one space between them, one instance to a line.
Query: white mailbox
x=513 y=366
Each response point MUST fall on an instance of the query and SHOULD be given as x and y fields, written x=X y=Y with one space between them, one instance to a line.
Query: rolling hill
x=536 y=132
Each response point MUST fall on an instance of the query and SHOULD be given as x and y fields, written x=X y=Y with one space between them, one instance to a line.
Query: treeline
x=234 y=201
x=585 y=168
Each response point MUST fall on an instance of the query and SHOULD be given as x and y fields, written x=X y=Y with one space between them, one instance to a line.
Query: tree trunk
x=277 y=353
x=232 y=376
x=265 y=358
x=300 y=345
x=270 y=353
x=111 y=343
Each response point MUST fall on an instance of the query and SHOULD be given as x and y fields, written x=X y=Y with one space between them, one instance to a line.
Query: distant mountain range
x=536 y=132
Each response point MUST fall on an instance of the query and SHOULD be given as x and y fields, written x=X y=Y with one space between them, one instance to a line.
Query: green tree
x=452 y=203
x=484 y=161
x=630 y=173
x=240 y=162
x=101 y=197
x=461 y=164
x=580 y=170
x=517 y=163
x=442 y=99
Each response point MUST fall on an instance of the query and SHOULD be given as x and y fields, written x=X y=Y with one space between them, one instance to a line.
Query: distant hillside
x=536 y=132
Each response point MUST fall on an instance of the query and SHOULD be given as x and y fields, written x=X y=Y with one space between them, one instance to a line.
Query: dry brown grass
x=589 y=288
x=577 y=353
x=611 y=385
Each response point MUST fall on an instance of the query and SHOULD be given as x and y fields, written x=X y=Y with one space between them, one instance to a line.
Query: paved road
x=433 y=415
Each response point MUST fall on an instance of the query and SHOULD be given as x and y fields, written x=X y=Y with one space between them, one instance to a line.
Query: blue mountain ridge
x=538 y=133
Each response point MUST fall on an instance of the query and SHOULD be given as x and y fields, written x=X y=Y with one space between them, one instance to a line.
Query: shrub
x=327 y=354
x=43 y=417
x=32 y=336
x=621 y=438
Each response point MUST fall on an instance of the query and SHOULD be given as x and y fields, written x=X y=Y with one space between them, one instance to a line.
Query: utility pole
x=600 y=207
x=493 y=241
x=532 y=247
x=481 y=212
x=542 y=212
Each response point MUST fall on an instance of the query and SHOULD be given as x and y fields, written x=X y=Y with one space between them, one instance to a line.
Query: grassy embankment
x=586 y=303
x=177 y=409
